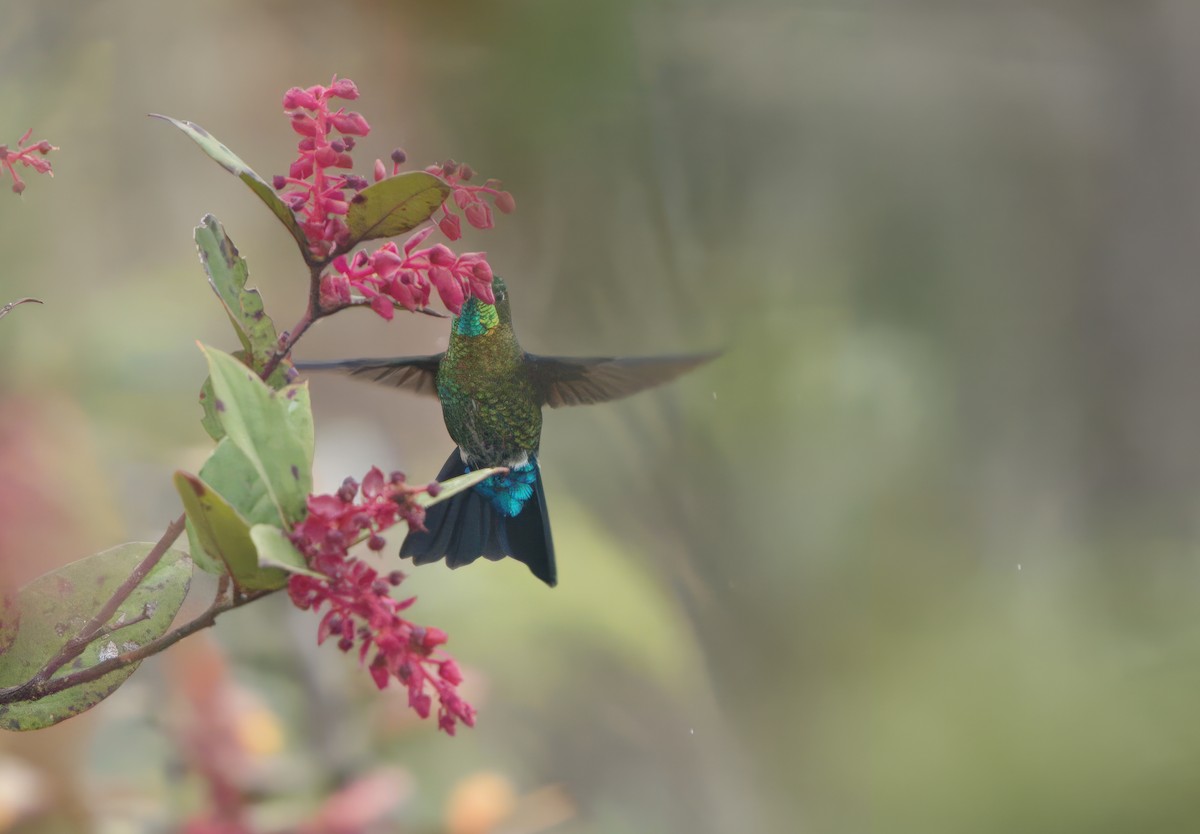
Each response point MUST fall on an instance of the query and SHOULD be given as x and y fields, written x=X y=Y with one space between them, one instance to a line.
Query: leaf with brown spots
x=55 y=606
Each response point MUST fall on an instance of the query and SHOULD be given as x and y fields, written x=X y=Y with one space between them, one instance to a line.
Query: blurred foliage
x=918 y=554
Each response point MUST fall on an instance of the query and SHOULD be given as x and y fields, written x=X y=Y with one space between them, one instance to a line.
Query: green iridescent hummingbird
x=492 y=393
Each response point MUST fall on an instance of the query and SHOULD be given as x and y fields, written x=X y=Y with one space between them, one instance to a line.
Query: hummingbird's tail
x=477 y=522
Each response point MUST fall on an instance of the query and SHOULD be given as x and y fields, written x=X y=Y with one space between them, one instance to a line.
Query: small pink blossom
x=316 y=195
x=405 y=276
x=31 y=156
x=470 y=199
x=361 y=612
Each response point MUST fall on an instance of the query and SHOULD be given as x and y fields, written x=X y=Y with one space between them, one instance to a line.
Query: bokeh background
x=919 y=553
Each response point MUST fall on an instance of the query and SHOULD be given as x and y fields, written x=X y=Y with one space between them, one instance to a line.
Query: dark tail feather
x=469 y=526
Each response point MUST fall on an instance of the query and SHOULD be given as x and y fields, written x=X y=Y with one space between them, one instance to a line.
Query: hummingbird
x=492 y=394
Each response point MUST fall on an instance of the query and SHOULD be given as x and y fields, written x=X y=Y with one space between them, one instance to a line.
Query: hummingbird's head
x=479 y=317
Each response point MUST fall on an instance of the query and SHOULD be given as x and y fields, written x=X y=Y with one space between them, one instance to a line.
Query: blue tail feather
x=504 y=515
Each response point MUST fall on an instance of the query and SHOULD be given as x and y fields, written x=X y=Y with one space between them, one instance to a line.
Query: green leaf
x=208 y=398
x=455 y=485
x=394 y=206
x=273 y=429
x=276 y=551
x=54 y=607
x=223 y=534
x=231 y=473
x=208 y=402
x=227 y=274
x=202 y=560
x=10 y=617
x=232 y=163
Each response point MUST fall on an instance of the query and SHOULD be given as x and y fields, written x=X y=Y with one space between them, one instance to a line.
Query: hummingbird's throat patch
x=476 y=318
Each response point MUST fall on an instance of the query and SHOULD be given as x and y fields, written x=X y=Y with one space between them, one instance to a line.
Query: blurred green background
x=918 y=554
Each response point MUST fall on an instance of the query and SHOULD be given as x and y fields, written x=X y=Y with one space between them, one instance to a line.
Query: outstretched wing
x=412 y=373
x=561 y=380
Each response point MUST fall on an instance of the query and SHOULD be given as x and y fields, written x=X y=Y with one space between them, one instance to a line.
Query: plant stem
x=92 y=628
x=96 y=626
x=311 y=315
x=43 y=682
x=40 y=686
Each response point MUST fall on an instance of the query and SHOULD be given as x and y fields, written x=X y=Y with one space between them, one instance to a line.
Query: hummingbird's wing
x=562 y=380
x=412 y=373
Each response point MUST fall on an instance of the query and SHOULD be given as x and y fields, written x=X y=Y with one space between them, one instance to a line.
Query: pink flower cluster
x=25 y=156
x=317 y=196
x=390 y=276
x=470 y=198
x=361 y=611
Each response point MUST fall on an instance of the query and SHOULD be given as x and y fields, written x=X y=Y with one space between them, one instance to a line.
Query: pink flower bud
x=380 y=171
x=386 y=262
x=401 y=293
x=379 y=672
x=343 y=88
x=449 y=672
x=483 y=292
x=440 y=255
x=463 y=197
x=420 y=703
x=399 y=157
x=416 y=239
x=325 y=157
x=383 y=308
x=372 y=483
x=301 y=169
x=296 y=97
x=466 y=172
x=479 y=215
x=350 y=123
x=330 y=623
x=434 y=637
x=335 y=291
x=279 y=181
x=505 y=202
x=448 y=287
x=304 y=125
x=451 y=226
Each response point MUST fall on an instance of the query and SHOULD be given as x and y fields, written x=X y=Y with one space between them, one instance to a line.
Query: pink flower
x=315 y=194
x=360 y=610
x=391 y=276
x=470 y=199
x=25 y=156
x=321 y=197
